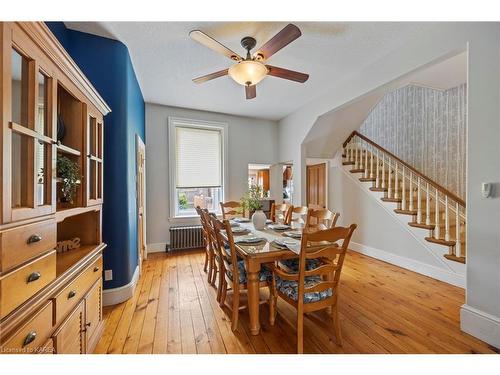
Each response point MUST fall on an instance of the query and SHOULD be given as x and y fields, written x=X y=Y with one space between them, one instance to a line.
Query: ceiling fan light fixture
x=248 y=72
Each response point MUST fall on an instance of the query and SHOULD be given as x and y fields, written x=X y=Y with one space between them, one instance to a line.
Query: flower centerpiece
x=252 y=202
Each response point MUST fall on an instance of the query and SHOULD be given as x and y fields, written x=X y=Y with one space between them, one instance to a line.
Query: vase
x=259 y=220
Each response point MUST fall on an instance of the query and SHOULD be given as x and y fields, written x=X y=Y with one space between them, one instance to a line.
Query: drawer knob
x=34 y=238
x=71 y=294
x=34 y=276
x=29 y=338
x=96 y=268
x=88 y=324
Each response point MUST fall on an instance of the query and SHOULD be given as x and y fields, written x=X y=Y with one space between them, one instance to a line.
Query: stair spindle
x=383 y=171
x=437 y=217
x=446 y=219
x=427 y=205
x=458 y=244
x=377 y=178
x=419 y=201
x=410 y=203
x=371 y=164
x=356 y=162
x=389 y=188
x=396 y=181
x=366 y=160
x=403 y=198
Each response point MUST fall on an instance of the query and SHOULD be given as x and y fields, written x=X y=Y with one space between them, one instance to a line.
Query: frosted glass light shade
x=248 y=72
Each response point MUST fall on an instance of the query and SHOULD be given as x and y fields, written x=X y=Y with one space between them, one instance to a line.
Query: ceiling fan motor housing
x=248 y=43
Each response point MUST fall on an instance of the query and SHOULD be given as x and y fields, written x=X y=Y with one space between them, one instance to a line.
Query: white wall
x=249 y=141
x=481 y=315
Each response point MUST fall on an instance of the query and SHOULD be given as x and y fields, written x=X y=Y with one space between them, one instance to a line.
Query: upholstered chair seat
x=290 y=288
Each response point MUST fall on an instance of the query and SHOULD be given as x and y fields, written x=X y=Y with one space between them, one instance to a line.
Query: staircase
x=438 y=212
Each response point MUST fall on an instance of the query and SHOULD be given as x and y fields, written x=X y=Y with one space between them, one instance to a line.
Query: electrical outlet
x=108 y=275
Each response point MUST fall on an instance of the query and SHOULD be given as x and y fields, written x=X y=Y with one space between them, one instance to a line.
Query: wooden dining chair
x=233 y=276
x=231 y=209
x=299 y=214
x=314 y=289
x=282 y=212
x=210 y=265
x=321 y=219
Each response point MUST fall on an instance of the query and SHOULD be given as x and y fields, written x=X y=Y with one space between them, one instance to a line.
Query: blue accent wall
x=106 y=63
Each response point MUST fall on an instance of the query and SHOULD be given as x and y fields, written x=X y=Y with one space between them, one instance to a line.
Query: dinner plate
x=249 y=239
x=241 y=220
x=239 y=229
x=285 y=241
x=293 y=234
x=280 y=227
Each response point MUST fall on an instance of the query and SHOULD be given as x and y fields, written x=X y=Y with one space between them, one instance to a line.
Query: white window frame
x=174 y=122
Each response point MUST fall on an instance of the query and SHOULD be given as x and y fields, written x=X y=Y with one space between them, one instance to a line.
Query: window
x=197 y=150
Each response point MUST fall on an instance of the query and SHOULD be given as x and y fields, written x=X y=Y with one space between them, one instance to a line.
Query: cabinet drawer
x=32 y=337
x=19 y=285
x=21 y=244
x=75 y=291
x=69 y=338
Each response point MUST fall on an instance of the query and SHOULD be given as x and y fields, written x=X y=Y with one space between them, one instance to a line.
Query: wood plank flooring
x=383 y=309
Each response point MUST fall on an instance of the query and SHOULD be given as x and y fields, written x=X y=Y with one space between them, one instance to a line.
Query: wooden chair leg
x=220 y=285
x=223 y=294
x=236 y=311
x=273 y=305
x=206 y=262
x=300 y=332
x=210 y=268
x=336 y=324
x=215 y=268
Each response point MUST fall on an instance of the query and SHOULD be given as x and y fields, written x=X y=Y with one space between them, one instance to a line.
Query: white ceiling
x=166 y=60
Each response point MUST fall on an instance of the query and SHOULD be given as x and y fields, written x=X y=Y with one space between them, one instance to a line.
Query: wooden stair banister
x=431 y=182
x=432 y=207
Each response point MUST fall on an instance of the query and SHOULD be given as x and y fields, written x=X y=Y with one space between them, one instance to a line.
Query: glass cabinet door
x=94 y=158
x=31 y=143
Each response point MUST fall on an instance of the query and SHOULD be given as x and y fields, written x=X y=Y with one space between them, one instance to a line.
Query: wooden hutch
x=50 y=300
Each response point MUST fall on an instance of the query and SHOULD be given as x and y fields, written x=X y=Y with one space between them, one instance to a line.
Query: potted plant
x=252 y=201
x=68 y=173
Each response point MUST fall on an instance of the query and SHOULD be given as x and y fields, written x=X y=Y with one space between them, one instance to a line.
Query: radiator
x=186 y=237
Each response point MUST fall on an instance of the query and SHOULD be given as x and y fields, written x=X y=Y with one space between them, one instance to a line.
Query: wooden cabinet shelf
x=65 y=213
x=70 y=259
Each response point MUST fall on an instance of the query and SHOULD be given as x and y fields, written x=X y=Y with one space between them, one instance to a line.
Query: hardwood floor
x=383 y=309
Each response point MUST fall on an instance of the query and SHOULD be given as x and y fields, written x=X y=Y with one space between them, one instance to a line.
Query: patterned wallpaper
x=427 y=129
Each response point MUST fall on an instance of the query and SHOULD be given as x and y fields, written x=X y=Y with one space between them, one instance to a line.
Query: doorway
x=141 y=200
x=316 y=185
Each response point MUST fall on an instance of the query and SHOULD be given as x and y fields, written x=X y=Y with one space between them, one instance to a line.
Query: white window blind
x=198 y=154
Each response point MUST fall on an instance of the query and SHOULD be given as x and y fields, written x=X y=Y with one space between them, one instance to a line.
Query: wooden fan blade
x=208 y=77
x=251 y=91
x=214 y=45
x=287 y=35
x=287 y=74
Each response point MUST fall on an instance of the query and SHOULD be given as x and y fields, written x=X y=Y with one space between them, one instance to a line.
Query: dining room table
x=275 y=243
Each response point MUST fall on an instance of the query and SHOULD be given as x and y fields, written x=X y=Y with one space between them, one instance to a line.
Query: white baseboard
x=479 y=324
x=410 y=264
x=156 y=247
x=122 y=293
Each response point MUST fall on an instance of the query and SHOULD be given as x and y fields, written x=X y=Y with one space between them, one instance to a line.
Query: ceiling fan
x=252 y=69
